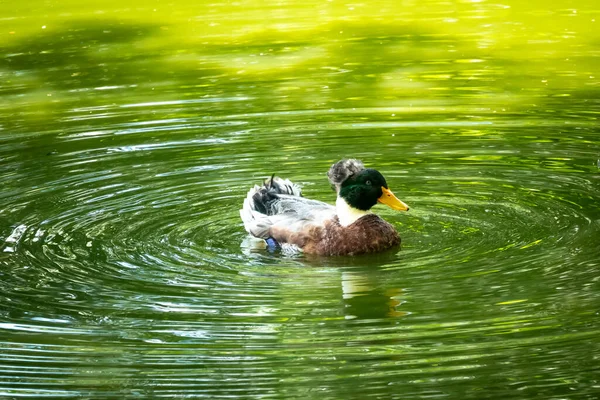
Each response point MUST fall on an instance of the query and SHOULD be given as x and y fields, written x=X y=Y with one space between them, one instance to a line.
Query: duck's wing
x=301 y=207
x=278 y=206
x=297 y=220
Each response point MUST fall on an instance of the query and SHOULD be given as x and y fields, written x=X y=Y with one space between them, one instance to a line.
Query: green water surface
x=130 y=133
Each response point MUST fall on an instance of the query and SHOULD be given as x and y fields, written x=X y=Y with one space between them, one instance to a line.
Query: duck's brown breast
x=368 y=234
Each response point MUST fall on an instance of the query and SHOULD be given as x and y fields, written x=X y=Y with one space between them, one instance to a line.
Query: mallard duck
x=277 y=213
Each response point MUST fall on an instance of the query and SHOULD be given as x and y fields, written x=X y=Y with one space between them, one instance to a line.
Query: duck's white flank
x=346 y=213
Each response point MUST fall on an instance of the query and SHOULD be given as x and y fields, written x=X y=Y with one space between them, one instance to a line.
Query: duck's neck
x=346 y=213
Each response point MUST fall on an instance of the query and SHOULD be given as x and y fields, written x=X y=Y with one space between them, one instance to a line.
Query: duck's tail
x=260 y=203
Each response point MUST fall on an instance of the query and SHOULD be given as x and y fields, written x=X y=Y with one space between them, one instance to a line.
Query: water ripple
x=121 y=253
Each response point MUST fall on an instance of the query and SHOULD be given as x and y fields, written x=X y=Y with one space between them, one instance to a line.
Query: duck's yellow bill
x=389 y=199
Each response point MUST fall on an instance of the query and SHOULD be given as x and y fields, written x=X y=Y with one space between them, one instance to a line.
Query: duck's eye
x=368 y=183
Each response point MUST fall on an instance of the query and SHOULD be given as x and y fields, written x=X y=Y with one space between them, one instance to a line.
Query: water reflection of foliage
x=340 y=64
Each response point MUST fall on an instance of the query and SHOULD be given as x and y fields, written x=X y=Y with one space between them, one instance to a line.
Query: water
x=129 y=135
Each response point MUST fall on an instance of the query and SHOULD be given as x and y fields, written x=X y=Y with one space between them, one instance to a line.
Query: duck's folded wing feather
x=301 y=207
x=293 y=218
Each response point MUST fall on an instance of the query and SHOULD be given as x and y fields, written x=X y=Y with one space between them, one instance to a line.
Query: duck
x=279 y=214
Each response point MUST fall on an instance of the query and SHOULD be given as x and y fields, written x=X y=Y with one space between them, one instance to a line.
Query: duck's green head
x=367 y=187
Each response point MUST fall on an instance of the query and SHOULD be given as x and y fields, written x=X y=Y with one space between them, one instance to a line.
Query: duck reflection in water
x=365 y=298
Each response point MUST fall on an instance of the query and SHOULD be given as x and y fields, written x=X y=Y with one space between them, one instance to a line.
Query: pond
x=131 y=133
